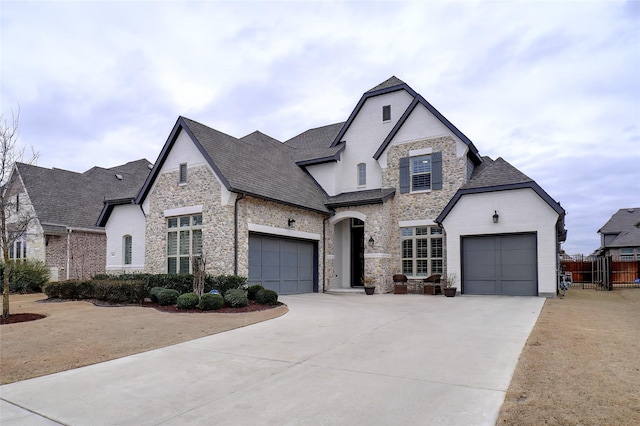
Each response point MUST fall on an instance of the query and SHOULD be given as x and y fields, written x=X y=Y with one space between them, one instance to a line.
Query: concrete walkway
x=332 y=360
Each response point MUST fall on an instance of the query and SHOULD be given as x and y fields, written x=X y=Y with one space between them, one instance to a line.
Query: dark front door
x=357 y=252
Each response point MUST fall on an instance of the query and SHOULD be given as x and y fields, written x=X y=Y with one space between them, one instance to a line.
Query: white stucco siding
x=520 y=211
x=325 y=175
x=184 y=151
x=125 y=220
x=364 y=137
x=421 y=124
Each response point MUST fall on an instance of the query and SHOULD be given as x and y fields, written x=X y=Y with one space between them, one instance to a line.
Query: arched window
x=127 y=248
x=362 y=174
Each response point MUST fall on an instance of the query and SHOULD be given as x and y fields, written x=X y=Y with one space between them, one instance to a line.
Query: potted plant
x=448 y=284
x=369 y=288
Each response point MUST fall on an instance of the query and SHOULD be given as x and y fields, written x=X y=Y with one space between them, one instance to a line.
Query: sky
x=553 y=87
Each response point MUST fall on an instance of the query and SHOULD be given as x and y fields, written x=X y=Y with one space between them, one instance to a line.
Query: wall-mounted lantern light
x=291 y=222
x=371 y=242
x=496 y=217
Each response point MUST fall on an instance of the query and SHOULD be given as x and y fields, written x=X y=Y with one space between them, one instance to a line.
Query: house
x=620 y=236
x=63 y=207
x=396 y=188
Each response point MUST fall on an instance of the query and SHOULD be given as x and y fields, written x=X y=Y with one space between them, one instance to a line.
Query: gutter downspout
x=235 y=223
x=69 y=230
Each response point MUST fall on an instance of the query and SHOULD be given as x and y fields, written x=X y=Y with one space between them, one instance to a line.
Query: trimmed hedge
x=267 y=297
x=153 y=293
x=181 y=282
x=168 y=296
x=211 y=302
x=187 y=301
x=252 y=290
x=109 y=291
x=236 y=298
x=224 y=283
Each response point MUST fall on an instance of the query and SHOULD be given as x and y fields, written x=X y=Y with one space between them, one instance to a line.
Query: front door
x=357 y=252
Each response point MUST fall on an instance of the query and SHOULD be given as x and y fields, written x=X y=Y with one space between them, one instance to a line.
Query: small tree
x=199 y=273
x=14 y=220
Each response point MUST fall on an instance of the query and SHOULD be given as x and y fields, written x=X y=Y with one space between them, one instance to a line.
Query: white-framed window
x=182 y=175
x=127 y=249
x=184 y=240
x=422 y=251
x=386 y=113
x=362 y=174
x=421 y=173
x=626 y=254
x=18 y=250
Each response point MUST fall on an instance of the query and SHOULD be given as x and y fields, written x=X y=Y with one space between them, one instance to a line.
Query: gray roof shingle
x=625 y=223
x=492 y=173
x=259 y=166
x=63 y=198
x=390 y=82
x=314 y=145
x=359 y=198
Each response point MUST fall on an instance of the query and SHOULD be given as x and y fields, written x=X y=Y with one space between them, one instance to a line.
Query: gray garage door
x=500 y=264
x=281 y=264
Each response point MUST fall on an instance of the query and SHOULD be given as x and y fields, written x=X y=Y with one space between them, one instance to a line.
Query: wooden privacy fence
x=602 y=272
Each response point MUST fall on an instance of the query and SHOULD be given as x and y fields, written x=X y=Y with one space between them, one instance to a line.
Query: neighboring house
x=620 y=236
x=396 y=188
x=65 y=206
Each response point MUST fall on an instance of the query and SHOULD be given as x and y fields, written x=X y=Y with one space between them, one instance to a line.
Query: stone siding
x=203 y=189
x=268 y=213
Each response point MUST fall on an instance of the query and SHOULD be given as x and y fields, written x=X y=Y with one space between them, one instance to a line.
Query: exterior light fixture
x=371 y=242
x=496 y=217
x=291 y=222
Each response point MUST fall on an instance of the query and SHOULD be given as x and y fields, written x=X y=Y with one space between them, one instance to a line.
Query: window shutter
x=436 y=170
x=404 y=175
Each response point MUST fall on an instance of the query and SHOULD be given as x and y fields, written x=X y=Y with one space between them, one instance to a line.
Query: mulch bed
x=15 y=318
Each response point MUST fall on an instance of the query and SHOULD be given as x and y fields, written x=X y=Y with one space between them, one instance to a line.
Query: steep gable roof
x=625 y=223
x=314 y=146
x=498 y=175
x=394 y=84
x=256 y=165
x=63 y=198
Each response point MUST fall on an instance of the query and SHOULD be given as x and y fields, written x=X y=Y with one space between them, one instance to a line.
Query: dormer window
x=386 y=113
x=182 y=178
x=362 y=174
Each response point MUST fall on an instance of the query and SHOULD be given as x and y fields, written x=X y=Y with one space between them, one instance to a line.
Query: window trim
x=362 y=174
x=433 y=234
x=195 y=223
x=428 y=173
x=182 y=174
x=386 y=113
x=127 y=240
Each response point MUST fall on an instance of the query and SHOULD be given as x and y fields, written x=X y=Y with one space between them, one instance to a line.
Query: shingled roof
x=625 y=223
x=63 y=198
x=498 y=175
x=256 y=165
x=314 y=145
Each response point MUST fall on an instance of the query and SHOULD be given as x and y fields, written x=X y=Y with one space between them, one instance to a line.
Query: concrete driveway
x=332 y=360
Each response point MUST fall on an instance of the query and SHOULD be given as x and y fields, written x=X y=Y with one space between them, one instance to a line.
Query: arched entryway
x=349 y=250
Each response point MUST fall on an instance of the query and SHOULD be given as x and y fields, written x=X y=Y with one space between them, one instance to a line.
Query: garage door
x=284 y=265
x=500 y=264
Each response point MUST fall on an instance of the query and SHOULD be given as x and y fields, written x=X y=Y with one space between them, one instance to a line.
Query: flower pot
x=369 y=289
x=449 y=291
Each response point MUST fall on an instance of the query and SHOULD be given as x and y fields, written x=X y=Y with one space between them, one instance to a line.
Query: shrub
x=62 y=290
x=183 y=283
x=168 y=296
x=236 y=298
x=187 y=301
x=119 y=291
x=153 y=293
x=27 y=276
x=211 y=302
x=224 y=283
x=267 y=297
x=252 y=290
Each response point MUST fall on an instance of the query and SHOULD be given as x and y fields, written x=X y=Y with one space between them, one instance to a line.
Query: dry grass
x=76 y=334
x=581 y=363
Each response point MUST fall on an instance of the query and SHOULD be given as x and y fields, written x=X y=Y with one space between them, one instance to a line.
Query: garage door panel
x=500 y=264
x=284 y=265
